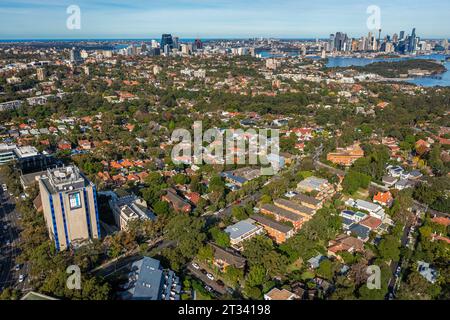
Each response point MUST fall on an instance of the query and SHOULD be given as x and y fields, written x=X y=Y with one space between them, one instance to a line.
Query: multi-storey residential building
x=320 y=187
x=241 y=231
x=7 y=153
x=284 y=215
x=177 y=202
x=308 y=201
x=129 y=208
x=346 y=156
x=277 y=231
x=296 y=208
x=147 y=280
x=69 y=202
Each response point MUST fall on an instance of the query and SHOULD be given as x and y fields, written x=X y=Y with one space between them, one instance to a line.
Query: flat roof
x=239 y=229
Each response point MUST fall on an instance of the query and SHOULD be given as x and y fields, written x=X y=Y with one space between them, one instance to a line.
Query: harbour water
x=442 y=79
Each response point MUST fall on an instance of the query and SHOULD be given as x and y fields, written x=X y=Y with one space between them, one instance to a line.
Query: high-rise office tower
x=412 y=41
x=331 y=42
x=402 y=35
x=75 y=55
x=395 y=38
x=198 y=44
x=340 y=41
x=69 y=201
x=176 y=43
x=167 y=40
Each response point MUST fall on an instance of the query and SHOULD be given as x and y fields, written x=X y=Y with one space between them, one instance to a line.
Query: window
x=75 y=201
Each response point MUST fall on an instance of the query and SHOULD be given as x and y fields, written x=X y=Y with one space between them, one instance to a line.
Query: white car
x=196 y=266
x=17 y=268
x=21 y=278
x=4 y=187
x=210 y=276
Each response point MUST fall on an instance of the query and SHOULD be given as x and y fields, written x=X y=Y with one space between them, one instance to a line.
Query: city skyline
x=117 y=19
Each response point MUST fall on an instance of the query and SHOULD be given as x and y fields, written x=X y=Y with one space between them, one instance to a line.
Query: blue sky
x=31 y=19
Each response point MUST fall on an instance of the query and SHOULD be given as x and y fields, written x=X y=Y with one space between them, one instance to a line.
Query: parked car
x=220 y=283
x=208 y=288
x=210 y=276
x=21 y=278
x=203 y=271
x=4 y=187
x=196 y=266
x=17 y=267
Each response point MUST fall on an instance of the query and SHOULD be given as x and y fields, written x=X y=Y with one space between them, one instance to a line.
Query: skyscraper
x=75 y=55
x=412 y=41
x=69 y=201
x=198 y=44
x=166 y=40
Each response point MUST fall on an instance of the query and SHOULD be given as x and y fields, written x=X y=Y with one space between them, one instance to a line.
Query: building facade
x=69 y=202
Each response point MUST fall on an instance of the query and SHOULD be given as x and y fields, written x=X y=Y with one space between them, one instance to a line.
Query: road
x=9 y=235
x=395 y=278
x=212 y=283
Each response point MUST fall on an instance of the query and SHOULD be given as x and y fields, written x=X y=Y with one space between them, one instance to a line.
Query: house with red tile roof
x=64 y=145
x=442 y=221
x=439 y=237
x=344 y=243
x=85 y=144
x=384 y=198
x=193 y=197
x=142 y=176
x=371 y=222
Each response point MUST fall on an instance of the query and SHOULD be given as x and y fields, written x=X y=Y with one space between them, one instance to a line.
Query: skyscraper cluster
x=402 y=43
x=168 y=45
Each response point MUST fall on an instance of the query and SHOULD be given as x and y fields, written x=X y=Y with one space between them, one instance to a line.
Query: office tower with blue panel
x=70 y=207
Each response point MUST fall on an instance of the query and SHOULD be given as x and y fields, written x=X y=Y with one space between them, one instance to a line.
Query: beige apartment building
x=70 y=208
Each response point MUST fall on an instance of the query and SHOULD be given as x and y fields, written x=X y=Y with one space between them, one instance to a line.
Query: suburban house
x=353 y=216
x=224 y=258
x=279 y=232
x=177 y=202
x=389 y=181
x=373 y=209
x=427 y=272
x=360 y=231
x=344 y=243
x=277 y=294
x=384 y=198
x=372 y=223
x=346 y=156
x=314 y=262
x=241 y=231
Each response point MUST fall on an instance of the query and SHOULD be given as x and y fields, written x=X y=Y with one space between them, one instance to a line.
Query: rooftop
x=312 y=183
x=64 y=179
x=241 y=228
x=281 y=212
x=271 y=223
